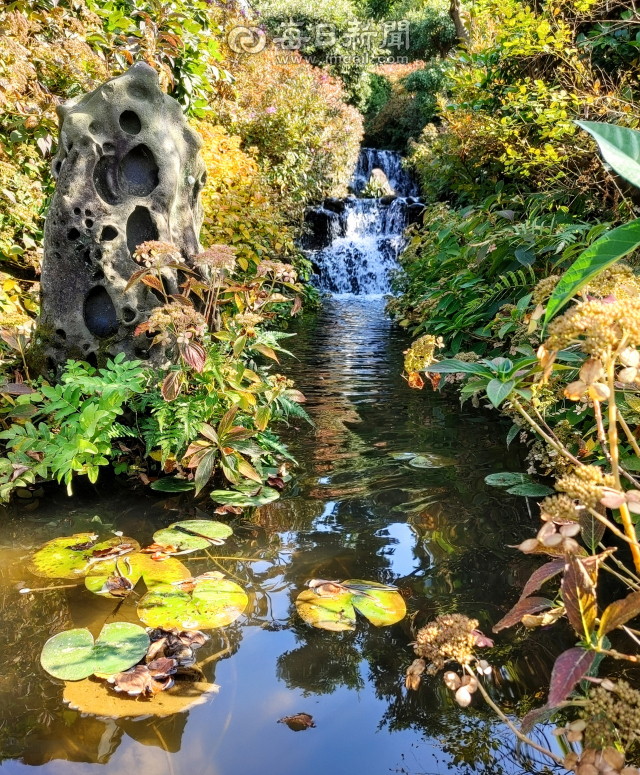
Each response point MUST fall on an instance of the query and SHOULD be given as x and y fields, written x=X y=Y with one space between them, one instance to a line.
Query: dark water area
x=355 y=511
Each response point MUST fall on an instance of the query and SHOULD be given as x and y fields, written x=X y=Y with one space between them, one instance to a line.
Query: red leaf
x=619 y=613
x=530 y=605
x=542 y=574
x=570 y=668
x=578 y=595
x=141 y=329
x=152 y=282
x=194 y=355
x=171 y=385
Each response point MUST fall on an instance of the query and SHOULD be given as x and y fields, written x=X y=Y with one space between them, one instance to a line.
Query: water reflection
x=358 y=511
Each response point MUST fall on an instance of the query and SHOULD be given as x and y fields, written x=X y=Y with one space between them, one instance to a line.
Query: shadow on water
x=356 y=511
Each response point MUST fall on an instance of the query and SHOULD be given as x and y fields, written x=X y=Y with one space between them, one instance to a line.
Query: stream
x=357 y=509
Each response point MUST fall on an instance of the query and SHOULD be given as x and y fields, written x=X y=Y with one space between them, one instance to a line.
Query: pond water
x=438 y=533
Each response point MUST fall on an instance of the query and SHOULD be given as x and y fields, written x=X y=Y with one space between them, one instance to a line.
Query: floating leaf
x=506 y=479
x=530 y=490
x=212 y=603
x=332 y=606
x=619 y=613
x=172 y=484
x=133 y=568
x=403 y=455
x=299 y=722
x=431 y=461
x=192 y=534
x=569 y=668
x=528 y=605
x=245 y=496
x=73 y=655
x=72 y=557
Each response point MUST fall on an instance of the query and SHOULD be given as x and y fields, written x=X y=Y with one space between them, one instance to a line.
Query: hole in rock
x=73 y=234
x=130 y=123
x=100 y=313
x=108 y=233
x=58 y=167
x=97 y=275
x=88 y=212
x=138 y=172
x=61 y=333
x=50 y=365
x=86 y=346
x=128 y=314
x=104 y=180
x=88 y=223
x=108 y=148
x=144 y=355
x=86 y=257
x=92 y=360
x=140 y=228
x=77 y=211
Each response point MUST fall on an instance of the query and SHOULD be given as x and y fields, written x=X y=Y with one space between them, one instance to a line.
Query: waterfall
x=354 y=243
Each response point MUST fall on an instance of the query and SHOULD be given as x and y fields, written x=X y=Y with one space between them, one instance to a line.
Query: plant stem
x=550 y=441
x=628 y=434
x=613 y=528
x=512 y=727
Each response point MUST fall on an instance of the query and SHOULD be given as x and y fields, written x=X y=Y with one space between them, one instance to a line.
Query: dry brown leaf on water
x=118 y=586
x=112 y=551
x=135 y=682
x=299 y=722
x=414 y=671
x=228 y=509
x=86 y=545
x=276 y=482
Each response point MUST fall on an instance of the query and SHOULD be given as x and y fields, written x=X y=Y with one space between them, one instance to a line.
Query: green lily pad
x=212 y=603
x=429 y=460
x=380 y=604
x=403 y=455
x=328 y=612
x=173 y=536
x=58 y=560
x=171 y=484
x=134 y=567
x=243 y=497
x=73 y=655
x=506 y=479
x=531 y=490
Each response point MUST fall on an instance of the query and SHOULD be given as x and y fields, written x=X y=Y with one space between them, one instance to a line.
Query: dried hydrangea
x=618 y=280
x=157 y=254
x=421 y=353
x=545 y=288
x=559 y=508
x=586 y=484
x=177 y=317
x=451 y=636
x=278 y=270
x=217 y=258
x=248 y=319
x=613 y=709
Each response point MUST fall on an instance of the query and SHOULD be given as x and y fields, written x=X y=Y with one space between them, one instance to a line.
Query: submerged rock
x=128 y=170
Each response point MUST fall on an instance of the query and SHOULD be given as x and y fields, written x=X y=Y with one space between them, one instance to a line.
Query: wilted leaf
x=299 y=722
x=542 y=574
x=297 y=305
x=268 y=352
x=569 y=669
x=153 y=282
x=71 y=557
x=619 y=613
x=536 y=716
x=592 y=529
x=527 y=605
x=16 y=388
x=73 y=655
x=213 y=603
x=192 y=534
x=579 y=598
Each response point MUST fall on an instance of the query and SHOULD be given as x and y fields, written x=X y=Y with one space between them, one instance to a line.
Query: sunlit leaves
x=133 y=568
x=620 y=147
x=578 y=594
x=619 y=613
x=72 y=557
x=73 y=655
x=193 y=534
x=569 y=668
x=245 y=495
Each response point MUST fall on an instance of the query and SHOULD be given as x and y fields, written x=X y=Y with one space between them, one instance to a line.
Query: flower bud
x=452 y=680
x=463 y=697
x=627 y=376
x=613 y=757
x=528 y=546
x=571 y=530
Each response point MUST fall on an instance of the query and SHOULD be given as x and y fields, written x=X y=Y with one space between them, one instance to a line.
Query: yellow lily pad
x=64 y=558
x=134 y=567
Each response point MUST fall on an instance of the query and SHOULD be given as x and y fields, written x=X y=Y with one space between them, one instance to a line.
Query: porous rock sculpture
x=128 y=170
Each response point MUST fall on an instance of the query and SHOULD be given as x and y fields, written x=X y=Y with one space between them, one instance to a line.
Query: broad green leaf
x=403 y=455
x=183 y=536
x=513 y=432
x=506 y=479
x=205 y=468
x=620 y=147
x=73 y=655
x=611 y=247
x=454 y=367
x=172 y=484
x=498 y=391
x=531 y=490
x=327 y=612
x=244 y=496
x=381 y=605
x=57 y=560
x=213 y=603
x=136 y=567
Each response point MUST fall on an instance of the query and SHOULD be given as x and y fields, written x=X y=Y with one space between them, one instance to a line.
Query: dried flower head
x=248 y=319
x=157 y=254
x=421 y=354
x=558 y=508
x=217 y=258
x=278 y=270
x=612 y=709
x=585 y=483
x=545 y=288
x=452 y=636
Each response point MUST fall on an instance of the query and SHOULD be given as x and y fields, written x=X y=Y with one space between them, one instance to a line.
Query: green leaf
x=619 y=146
x=134 y=567
x=525 y=256
x=327 y=612
x=513 y=432
x=212 y=603
x=244 y=496
x=431 y=461
x=506 y=479
x=57 y=560
x=205 y=468
x=531 y=490
x=611 y=247
x=171 y=484
x=72 y=655
x=453 y=366
x=182 y=534
x=498 y=391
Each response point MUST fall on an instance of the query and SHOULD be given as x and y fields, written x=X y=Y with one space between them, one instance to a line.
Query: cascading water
x=356 y=241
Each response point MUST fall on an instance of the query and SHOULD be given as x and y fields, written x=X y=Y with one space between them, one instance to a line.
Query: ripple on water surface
x=359 y=510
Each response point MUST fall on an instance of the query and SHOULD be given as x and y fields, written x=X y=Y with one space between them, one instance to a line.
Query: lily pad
x=73 y=655
x=403 y=455
x=380 y=604
x=506 y=479
x=94 y=697
x=531 y=490
x=182 y=536
x=171 y=484
x=212 y=603
x=245 y=497
x=134 y=568
x=72 y=557
x=429 y=460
